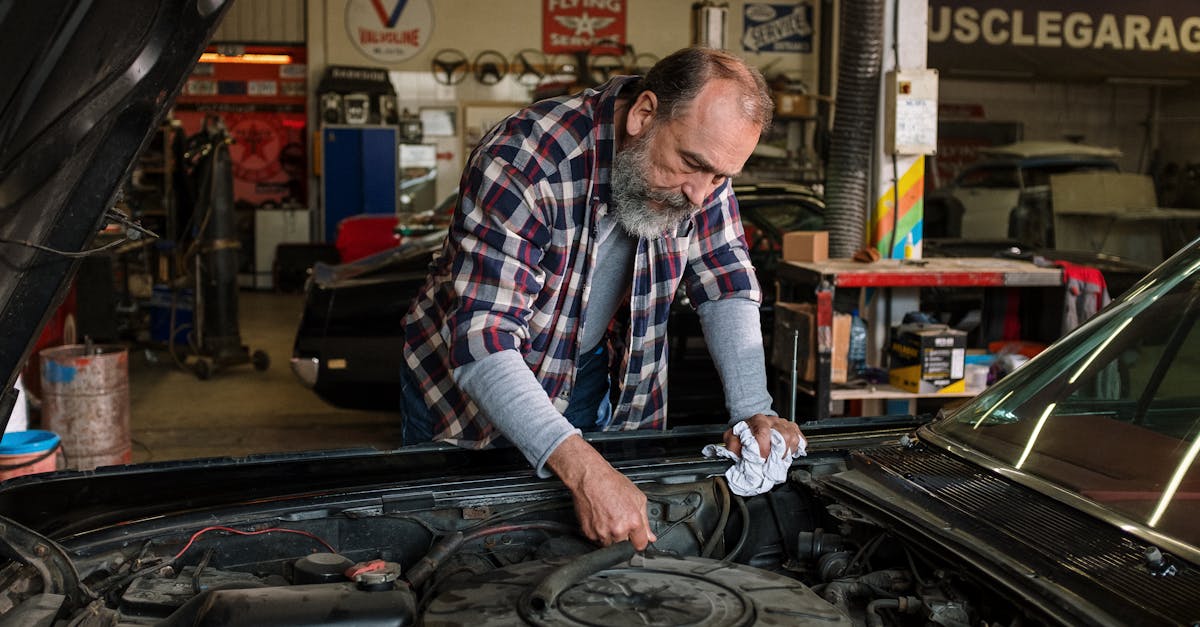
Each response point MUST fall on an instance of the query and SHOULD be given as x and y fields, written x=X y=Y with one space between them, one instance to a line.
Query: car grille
x=1060 y=544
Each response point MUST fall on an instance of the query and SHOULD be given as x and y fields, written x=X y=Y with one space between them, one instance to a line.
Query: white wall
x=263 y=21
x=658 y=27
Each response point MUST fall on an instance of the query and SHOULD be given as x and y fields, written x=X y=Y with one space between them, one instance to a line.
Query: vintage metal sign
x=589 y=25
x=777 y=27
x=389 y=31
x=1093 y=39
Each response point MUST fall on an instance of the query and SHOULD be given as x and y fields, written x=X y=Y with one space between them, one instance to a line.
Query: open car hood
x=84 y=86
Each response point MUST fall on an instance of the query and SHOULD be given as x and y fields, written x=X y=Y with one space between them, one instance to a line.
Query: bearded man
x=545 y=313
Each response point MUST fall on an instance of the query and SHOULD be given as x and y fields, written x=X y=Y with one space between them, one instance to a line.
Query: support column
x=895 y=225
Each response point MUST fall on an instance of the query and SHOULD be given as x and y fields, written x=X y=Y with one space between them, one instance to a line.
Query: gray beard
x=631 y=196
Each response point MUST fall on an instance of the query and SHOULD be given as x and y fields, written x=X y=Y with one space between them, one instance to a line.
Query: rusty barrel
x=85 y=400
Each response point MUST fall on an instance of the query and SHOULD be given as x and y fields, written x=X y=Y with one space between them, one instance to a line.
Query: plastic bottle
x=857 y=357
x=908 y=246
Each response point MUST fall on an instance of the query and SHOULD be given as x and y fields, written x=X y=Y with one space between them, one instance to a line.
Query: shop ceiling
x=1078 y=40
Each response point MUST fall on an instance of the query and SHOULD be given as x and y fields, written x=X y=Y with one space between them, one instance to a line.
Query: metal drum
x=85 y=400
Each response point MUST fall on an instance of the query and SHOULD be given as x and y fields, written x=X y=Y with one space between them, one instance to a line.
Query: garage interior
x=351 y=120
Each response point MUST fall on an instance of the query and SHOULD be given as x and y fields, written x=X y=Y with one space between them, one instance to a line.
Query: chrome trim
x=306 y=369
x=1072 y=499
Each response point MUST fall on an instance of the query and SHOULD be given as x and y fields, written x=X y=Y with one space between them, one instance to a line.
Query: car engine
x=478 y=554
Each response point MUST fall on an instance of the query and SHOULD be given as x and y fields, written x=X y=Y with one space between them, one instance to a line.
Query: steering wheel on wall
x=490 y=67
x=449 y=66
x=529 y=66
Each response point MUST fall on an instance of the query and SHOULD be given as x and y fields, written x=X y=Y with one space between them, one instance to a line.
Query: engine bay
x=477 y=553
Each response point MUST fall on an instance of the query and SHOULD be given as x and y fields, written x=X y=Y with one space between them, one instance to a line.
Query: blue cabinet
x=359 y=173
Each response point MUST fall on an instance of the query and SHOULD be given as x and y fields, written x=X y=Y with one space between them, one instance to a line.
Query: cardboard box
x=928 y=359
x=806 y=246
x=792 y=317
x=789 y=105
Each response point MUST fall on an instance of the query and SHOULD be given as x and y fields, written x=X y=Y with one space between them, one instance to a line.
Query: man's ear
x=641 y=113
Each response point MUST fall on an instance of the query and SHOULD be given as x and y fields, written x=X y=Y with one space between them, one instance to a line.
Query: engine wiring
x=865 y=552
x=481 y=526
x=719 y=531
x=741 y=543
x=494 y=517
x=65 y=253
x=196 y=536
x=442 y=548
x=134 y=232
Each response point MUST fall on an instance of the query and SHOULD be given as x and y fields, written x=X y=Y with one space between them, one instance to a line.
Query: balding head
x=677 y=80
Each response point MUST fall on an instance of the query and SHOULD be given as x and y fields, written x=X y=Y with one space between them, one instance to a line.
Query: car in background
x=348 y=346
x=1007 y=193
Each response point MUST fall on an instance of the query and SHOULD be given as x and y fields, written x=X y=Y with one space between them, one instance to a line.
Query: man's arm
x=733 y=334
x=515 y=403
x=721 y=283
x=609 y=507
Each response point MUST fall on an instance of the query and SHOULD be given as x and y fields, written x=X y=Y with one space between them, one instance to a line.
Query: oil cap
x=321 y=568
x=374 y=575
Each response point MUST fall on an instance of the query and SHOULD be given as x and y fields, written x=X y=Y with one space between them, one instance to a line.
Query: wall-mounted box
x=911 y=111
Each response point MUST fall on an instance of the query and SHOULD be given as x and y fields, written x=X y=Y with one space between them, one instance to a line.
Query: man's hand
x=761 y=425
x=610 y=508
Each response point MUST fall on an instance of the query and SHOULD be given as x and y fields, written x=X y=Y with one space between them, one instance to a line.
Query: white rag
x=752 y=474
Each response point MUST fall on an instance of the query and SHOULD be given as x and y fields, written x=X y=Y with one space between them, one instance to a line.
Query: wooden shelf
x=933 y=272
x=817 y=281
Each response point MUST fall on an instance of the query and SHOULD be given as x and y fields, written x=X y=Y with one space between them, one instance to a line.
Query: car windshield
x=1002 y=176
x=1039 y=175
x=1111 y=412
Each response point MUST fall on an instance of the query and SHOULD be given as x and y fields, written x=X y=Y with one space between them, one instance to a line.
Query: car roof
x=1043 y=149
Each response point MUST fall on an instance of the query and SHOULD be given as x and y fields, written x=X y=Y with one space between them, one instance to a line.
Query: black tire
x=203 y=369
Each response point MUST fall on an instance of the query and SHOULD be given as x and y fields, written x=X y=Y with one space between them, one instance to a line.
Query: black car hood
x=84 y=85
x=68 y=502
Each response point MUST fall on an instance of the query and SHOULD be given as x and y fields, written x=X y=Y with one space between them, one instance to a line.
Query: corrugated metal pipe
x=847 y=181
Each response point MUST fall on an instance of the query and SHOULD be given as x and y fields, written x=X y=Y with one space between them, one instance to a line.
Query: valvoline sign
x=572 y=25
x=389 y=31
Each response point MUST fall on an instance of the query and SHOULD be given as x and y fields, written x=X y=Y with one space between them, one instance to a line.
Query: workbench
x=817 y=281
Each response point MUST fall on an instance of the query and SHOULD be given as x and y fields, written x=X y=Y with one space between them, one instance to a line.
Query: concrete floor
x=240 y=411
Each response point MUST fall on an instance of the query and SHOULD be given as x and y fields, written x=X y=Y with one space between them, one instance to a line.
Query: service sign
x=389 y=31
x=589 y=25
x=777 y=27
x=1065 y=39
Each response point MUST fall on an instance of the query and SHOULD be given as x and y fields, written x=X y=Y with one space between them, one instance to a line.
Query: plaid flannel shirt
x=514 y=272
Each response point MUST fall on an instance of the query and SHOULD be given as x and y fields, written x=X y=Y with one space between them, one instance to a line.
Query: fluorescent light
x=1037 y=430
x=276 y=59
x=1169 y=494
x=993 y=408
x=1099 y=349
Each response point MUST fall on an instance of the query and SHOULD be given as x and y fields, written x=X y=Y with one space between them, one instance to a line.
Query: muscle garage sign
x=1083 y=39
